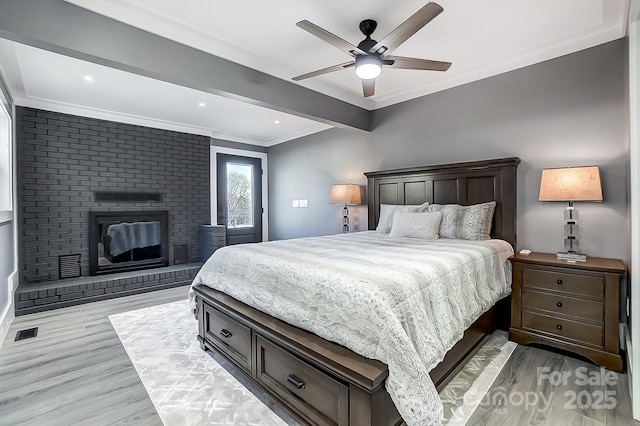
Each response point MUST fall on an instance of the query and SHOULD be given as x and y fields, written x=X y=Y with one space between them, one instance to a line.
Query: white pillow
x=386 y=214
x=465 y=222
x=423 y=208
x=416 y=225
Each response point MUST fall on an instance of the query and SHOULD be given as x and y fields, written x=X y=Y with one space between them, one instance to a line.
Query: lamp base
x=572 y=256
x=345 y=219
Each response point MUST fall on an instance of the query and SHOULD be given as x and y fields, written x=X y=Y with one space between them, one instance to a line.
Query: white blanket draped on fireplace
x=128 y=236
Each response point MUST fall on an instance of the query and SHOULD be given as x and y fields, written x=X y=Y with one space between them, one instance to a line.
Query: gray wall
x=564 y=112
x=63 y=159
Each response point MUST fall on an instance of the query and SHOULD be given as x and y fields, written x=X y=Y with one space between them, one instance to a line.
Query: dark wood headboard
x=456 y=183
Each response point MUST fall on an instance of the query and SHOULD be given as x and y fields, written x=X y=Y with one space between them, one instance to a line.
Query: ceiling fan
x=370 y=55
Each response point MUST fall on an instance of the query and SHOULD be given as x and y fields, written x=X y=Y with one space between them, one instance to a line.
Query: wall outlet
x=304 y=203
x=295 y=204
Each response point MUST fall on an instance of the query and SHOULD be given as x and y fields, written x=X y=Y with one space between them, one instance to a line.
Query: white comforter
x=402 y=301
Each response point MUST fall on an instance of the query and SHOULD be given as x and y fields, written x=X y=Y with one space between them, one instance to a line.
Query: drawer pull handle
x=297 y=383
x=559 y=304
x=558 y=327
x=225 y=333
x=559 y=282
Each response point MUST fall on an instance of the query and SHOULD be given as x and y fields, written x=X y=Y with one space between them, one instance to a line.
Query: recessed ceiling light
x=202 y=104
x=277 y=121
x=88 y=78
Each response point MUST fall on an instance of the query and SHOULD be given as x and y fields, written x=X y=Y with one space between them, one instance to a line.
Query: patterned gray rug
x=191 y=387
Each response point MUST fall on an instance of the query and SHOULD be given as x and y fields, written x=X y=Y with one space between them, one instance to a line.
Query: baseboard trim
x=5 y=322
x=626 y=336
x=8 y=314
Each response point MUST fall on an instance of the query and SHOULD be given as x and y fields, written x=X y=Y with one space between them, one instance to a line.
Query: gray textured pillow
x=416 y=225
x=465 y=222
x=387 y=211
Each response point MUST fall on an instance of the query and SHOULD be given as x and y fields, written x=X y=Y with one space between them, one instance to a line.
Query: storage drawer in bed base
x=354 y=384
x=229 y=335
x=320 y=397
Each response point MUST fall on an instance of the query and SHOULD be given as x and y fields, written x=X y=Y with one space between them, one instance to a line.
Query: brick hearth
x=39 y=297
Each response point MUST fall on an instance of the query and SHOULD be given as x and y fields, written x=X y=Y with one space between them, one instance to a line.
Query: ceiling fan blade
x=332 y=39
x=324 y=71
x=368 y=87
x=408 y=28
x=401 y=62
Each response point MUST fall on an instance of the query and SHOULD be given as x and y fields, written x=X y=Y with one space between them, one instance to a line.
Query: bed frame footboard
x=318 y=382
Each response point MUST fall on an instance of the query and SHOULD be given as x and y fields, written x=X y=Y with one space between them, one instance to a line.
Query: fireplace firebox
x=127 y=241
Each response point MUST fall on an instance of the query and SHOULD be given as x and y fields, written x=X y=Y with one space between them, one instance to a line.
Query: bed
x=322 y=382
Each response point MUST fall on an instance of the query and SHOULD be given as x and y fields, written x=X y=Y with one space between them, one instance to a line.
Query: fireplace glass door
x=124 y=241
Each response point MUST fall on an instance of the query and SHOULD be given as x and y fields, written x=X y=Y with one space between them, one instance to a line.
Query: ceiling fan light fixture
x=368 y=54
x=368 y=67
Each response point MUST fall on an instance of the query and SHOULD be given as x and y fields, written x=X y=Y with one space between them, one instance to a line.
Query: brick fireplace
x=67 y=163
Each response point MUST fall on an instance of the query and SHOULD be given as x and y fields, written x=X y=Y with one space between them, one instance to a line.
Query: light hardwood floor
x=76 y=372
x=526 y=393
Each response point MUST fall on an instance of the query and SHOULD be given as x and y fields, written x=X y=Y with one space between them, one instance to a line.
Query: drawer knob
x=297 y=383
x=559 y=327
x=559 y=282
x=559 y=304
x=225 y=333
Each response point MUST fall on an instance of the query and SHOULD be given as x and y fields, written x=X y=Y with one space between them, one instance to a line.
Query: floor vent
x=26 y=334
x=69 y=266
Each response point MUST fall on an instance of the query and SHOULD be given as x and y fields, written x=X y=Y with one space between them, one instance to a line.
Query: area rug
x=191 y=387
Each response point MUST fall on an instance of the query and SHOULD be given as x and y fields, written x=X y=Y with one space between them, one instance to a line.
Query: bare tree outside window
x=239 y=197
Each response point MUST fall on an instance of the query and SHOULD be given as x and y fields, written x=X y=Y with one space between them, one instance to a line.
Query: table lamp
x=571 y=184
x=347 y=194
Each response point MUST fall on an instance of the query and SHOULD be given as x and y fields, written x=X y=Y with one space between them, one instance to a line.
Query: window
x=6 y=176
x=239 y=195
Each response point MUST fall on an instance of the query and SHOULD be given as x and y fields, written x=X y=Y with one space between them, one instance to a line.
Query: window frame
x=214 y=150
x=7 y=190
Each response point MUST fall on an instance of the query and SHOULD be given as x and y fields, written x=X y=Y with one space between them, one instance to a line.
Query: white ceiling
x=482 y=38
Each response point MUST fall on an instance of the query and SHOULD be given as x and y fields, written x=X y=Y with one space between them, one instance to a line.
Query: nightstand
x=570 y=306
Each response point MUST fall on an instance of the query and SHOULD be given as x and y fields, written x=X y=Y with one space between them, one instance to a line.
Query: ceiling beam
x=63 y=28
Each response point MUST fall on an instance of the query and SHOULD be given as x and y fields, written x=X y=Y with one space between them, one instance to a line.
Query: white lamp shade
x=571 y=184
x=346 y=194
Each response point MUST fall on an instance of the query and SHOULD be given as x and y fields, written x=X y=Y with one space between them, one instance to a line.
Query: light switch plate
x=304 y=203
x=295 y=204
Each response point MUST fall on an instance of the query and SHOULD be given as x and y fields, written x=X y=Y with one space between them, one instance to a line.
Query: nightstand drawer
x=579 y=285
x=569 y=306
x=586 y=309
x=580 y=332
